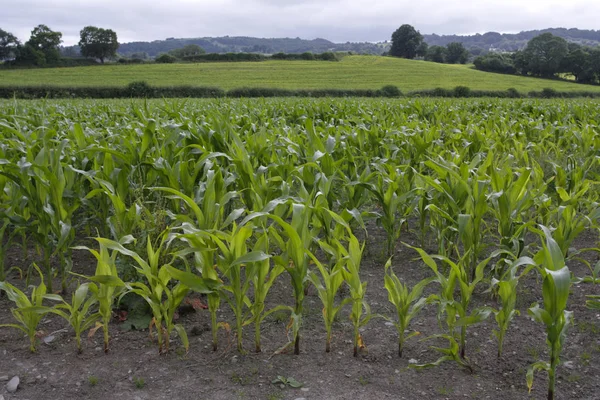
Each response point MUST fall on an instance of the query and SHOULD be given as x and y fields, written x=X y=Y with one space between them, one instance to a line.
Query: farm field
x=416 y=249
x=352 y=72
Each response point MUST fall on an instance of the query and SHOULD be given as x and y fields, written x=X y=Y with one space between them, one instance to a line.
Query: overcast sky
x=336 y=20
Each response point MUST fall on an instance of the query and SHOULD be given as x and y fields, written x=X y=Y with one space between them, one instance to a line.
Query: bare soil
x=133 y=369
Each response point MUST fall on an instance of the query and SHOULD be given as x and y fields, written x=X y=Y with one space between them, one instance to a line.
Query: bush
x=165 y=59
x=328 y=56
x=462 y=91
x=130 y=61
x=389 y=91
x=495 y=62
x=139 y=89
x=549 y=93
x=513 y=93
x=228 y=57
x=307 y=56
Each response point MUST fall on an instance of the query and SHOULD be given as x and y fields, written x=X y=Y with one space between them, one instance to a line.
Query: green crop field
x=483 y=214
x=353 y=72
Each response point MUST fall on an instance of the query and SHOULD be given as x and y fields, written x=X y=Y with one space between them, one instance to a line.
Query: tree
x=30 y=56
x=436 y=54
x=576 y=62
x=46 y=41
x=189 y=50
x=98 y=43
x=165 y=59
x=544 y=54
x=405 y=42
x=8 y=44
x=592 y=71
x=495 y=62
x=422 y=49
x=456 y=53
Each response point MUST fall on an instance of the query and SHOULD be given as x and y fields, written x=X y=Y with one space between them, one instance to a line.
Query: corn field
x=222 y=199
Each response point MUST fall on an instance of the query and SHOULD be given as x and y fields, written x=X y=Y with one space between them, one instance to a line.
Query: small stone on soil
x=3 y=378
x=13 y=385
x=49 y=339
x=412 y=361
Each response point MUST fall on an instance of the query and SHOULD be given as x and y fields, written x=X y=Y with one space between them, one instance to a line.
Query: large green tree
x=8 y=44
x=44 y=41
x=406 y=42
x=98 y=43
x=544 y=55
x=456 y=53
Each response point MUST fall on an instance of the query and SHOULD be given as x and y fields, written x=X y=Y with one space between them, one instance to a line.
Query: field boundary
x=144 y=90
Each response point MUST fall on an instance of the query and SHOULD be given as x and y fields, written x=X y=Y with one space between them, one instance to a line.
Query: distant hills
x=237 y=44
x=481 y=43
x=477 y=44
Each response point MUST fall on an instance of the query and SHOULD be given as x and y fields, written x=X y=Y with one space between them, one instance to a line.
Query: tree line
x=407 y=42
x=43 y=47
x=546 y=56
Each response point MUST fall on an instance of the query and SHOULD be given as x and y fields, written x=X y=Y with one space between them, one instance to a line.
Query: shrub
x=165 y=59
x=389 y=91
x=549 y=93
x=513 y=93
x=495 y=62
x=139 y=89
x=462 y=91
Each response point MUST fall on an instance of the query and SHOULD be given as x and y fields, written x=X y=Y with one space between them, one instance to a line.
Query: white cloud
x=337 y=20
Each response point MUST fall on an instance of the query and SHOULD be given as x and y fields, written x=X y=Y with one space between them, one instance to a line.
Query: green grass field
x=353 y=72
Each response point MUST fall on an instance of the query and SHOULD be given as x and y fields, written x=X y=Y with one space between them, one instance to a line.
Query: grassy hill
x=353 y=72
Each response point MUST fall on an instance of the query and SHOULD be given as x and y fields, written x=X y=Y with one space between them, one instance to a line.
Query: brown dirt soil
x=57 y=372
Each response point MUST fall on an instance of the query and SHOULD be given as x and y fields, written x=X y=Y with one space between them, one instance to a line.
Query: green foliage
x=98 y=43
x=27 y=317
x=554 y=315
x=544 y=55
x=8 y=44
x=162 y=298
x=283 y=381
x=408 y=303
x=456 y=53
x=105 y=286
x=165 y=59
x=405 y=42
x=79 y=313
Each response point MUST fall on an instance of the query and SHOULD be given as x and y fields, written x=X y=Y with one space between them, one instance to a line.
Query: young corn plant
x=28 y=319
x=408 y=303
x=294 y=257
x=233 y=259
x=554 y=315
x=457 y=311
x=203 y=248
x=510 y=200
x=328 y=283
x=162 y=298
x=262 y=274
x=106 y=286
x=78 y=313
x=351 y=272
x=506 y=288
x=393 y=191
